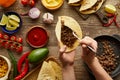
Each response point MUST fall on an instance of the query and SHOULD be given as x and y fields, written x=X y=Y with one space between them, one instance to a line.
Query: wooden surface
x=91 y=27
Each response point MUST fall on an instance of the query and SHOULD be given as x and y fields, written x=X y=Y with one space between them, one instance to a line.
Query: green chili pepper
x=14 y=62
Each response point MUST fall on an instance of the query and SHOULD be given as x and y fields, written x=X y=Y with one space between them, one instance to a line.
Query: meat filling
x=67 y=37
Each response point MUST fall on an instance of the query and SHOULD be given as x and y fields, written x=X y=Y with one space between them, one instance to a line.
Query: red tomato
x=32 y=3
x=6 y=37
x=1 y=35
x=13 y=38
x=19 y=49
x=7 y=45
x=20 y=40
x=24 y=2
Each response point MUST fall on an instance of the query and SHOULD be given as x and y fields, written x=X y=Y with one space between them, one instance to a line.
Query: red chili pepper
x=21 y=60
x=24 y=2
x=116 y=21
x=32 y=3
x=19 y=40
x=24 y=72
x=109 y=15
x=109 y=23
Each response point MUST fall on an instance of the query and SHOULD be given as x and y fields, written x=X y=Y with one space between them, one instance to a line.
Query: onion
x=34 y=13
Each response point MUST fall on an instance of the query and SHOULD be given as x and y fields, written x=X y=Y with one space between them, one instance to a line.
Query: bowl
x=50 y=6
x=5 y=61
x=12 y=31
x=114 y=48
x=37 y=37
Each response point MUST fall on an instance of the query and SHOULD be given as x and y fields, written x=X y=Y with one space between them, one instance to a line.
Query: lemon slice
x=10 y=27
x=14 y=17
x=13 y=23
x=110 y=9
x=4 y=20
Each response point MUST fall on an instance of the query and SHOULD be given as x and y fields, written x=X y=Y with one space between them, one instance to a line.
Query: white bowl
x=9 y=68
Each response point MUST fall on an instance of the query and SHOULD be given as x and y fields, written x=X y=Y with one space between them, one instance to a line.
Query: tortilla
x=46 y=72
x=87 y=8
x=50 y=70
x=73 y=25
x=57 y=69
x=74 y=2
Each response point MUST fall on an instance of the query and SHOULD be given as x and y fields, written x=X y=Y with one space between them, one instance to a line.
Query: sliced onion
x=34 y=13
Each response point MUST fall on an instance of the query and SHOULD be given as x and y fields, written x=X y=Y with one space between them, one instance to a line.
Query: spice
x=48 y=18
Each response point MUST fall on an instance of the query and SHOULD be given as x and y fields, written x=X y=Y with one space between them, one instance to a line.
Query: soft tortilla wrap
x=84 y=7
x=74 y=2
x=50 y=70
x=73 y=25
x=46 y=72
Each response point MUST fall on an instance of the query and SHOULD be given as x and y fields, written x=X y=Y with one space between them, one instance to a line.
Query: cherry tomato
x=1 y=41
x=7 y=45
x=24 y=2
x=19 y=40
x=12 y=46
x=6 y=37
x=32 y=3
x=13 y=38
x=1 y=35
x=19 y=49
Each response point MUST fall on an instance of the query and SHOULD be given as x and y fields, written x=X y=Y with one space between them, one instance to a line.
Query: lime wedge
x=10 y=27
x=14 y=17
x=13 y=23
x=110 y=8
x=4 y=20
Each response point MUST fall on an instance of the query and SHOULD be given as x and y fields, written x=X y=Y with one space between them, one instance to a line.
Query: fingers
x=87 y=41
x=62 y=50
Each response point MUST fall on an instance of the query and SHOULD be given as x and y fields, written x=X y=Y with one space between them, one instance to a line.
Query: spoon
x=89 y=47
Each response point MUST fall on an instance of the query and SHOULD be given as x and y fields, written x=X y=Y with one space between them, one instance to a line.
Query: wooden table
x=91 y=27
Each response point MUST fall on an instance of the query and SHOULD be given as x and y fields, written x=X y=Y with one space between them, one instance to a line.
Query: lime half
x=14 y=17
x=4 y=20
x=110 y=8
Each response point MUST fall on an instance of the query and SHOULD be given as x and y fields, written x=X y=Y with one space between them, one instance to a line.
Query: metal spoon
x=89 y=47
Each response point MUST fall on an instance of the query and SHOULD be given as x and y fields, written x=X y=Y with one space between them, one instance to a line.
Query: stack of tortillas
x=50 y=70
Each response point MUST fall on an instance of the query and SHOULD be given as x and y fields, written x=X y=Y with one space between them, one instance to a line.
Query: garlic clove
x=48 y=18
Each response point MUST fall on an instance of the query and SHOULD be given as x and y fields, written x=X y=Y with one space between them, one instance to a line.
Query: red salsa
x=37 y=37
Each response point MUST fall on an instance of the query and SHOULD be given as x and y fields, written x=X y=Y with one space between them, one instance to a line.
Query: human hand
x=67 y=59
x=87 y=55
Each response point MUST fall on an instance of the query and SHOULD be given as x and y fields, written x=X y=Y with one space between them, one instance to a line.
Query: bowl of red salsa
x=37 y=37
